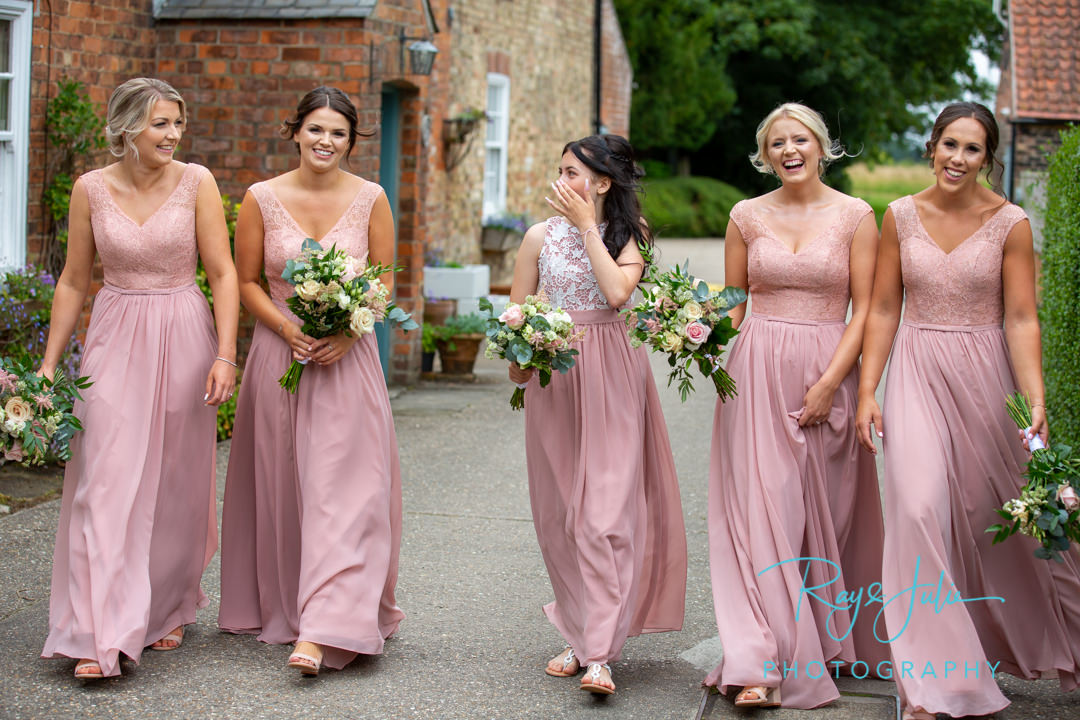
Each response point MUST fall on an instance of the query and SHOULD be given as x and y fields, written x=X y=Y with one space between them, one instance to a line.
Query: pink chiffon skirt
x=311 y=527
x=137 y=523
x=777 y=493
x=605 y=497
x=952 y=456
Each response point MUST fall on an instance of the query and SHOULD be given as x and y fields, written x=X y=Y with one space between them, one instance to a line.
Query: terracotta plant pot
x=458 y=354
x=436 y=312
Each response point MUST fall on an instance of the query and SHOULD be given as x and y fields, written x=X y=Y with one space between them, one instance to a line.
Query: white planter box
x=471 y=281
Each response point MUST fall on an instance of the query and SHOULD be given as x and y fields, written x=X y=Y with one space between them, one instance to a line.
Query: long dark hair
x=613 y=157
x=981 y=114
x=325 y=97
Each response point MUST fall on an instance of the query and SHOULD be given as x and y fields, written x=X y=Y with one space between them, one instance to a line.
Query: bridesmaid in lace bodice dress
x=960 y=257
x=602 y=484
x=312 y=521
x=787 y=479
x=137 y=519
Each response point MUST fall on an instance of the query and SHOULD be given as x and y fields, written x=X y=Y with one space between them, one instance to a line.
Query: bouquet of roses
x=36 y=417
x=682 y=317
x=533 y=335
x=1048 y=508
x=336 y=293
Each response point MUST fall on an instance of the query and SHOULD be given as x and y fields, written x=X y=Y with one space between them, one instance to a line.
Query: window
x=15 y=36
x=498 y=112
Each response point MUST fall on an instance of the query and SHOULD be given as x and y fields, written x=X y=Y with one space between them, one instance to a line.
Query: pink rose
x=513 y=317
x=1068 y=497
x=353 y=268
x=15 y=454
x=696 y=333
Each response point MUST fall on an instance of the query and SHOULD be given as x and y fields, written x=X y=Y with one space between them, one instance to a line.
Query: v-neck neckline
x=935 y=243
x=328 y=233
x=158 y=209
x=796 y=253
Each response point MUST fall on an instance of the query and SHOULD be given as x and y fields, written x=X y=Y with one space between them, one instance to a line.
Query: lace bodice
x=962 y=287
x=160 y=254
x=283 y=237
x=812 y=284
x=565 y=269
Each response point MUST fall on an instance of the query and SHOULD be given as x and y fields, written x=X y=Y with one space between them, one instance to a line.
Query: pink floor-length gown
x=951 y=457
x=779 y=492
x=605 y=497
x=312 y=522
x=137 y=526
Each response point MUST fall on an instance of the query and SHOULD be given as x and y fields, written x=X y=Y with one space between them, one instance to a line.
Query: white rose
x=692 y=310
x=362 y=321
x=308 y=290
x=343 y=300
x=18 y=410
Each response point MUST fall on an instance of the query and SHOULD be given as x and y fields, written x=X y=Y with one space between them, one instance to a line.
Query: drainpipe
x=598 y=66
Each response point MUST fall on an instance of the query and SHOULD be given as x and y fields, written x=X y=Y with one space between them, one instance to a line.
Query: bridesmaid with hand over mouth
x=787 y=479
x=958 y=257
x=137 y=520
x=602 y=484
x=312 y=522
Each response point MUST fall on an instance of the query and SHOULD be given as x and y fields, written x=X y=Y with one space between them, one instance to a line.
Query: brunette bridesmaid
x=787 y=480
x=312 y=521
x=137 y=523
x=605 y=498
x=959 y=257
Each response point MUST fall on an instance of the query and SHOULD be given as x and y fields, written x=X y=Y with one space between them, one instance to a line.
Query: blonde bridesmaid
x=605 y=499
x=137 y=521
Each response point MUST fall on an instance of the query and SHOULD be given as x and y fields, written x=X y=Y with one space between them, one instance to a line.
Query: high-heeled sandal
x=305 y=663
x=758 y=696
x=176 y=637
x=87 y=663
x=911 y=713
x=569 y=660
x=592 y=677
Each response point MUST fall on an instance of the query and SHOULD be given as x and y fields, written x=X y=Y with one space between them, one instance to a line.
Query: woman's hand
x=220 y=382
x=1039 y=427
x=867 y=414
x=47 y=373
x=330 y=349
x=579 y=211
x=816 y=404
x=519 y=376
x=300 y=344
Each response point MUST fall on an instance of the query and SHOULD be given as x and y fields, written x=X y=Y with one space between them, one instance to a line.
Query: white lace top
x=565 y=270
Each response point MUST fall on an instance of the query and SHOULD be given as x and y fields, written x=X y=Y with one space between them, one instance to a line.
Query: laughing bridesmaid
x=312 y=522
x=605 y=499
x=137 y=520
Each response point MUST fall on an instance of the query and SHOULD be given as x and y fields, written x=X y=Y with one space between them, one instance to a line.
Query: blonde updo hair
x=129 y=111
x=830 y=149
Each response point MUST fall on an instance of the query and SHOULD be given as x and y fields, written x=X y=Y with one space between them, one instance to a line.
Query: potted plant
x=438 y=309
x=503 y=231
x=427 y=347
x=458 y=342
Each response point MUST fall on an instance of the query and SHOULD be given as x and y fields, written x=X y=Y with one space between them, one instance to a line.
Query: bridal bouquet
x=1048 y=508
x=336 y=293
x=682 y=317
x=533 y=335
x=36 y=418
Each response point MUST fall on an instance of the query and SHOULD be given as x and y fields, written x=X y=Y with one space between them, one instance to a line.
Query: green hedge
x=1060 y=309
x=689 y=206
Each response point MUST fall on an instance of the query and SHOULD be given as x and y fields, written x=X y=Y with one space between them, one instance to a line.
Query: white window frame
x=15 y=143
x=499 y=119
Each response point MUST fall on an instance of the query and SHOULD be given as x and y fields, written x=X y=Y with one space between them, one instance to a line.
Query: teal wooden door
x=389 y=175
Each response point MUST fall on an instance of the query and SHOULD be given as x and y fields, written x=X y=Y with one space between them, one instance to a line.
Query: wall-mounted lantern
x=422 y=54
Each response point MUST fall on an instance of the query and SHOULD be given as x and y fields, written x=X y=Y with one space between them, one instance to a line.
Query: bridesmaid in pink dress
x=602 y=483
x=961 y=258
x=137 y=521
x=312 y=521
x=787 y=479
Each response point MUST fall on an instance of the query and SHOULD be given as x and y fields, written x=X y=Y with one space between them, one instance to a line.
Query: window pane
x=5 y=104
x=5 y=46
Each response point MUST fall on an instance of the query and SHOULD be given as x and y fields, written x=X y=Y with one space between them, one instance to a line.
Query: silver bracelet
x=224 y=360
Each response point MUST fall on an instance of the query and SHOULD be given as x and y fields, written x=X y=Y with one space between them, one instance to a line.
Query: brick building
x=243 y=64
x=1039 y=94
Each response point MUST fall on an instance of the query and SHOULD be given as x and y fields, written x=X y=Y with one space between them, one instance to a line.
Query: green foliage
x=470 y=324
x=75 y=134
x=689 y=206
x=226 y=413
x=708 y=72
x=1061 y=290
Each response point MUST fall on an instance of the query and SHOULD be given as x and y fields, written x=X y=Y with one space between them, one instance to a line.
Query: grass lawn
x=884 y=183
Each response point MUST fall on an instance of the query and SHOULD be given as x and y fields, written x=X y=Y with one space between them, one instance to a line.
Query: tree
x=867 y=65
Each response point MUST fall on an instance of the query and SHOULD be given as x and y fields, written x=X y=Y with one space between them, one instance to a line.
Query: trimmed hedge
x=689 y=207
x=1060 y=309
